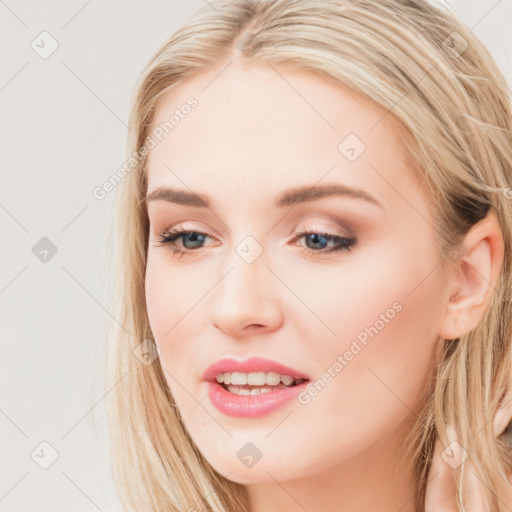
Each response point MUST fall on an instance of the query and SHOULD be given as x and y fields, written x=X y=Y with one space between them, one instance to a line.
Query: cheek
x=170 y=300
x=171 y=295
x=374 y=370
x=159 y=296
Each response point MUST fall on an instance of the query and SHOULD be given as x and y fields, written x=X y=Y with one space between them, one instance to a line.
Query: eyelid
x=322 y=224
x=338 y=228
x=182 y=226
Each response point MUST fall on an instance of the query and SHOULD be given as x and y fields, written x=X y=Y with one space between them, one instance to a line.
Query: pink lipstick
x=253 y=387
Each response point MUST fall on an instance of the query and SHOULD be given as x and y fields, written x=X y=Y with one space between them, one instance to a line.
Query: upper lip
x=253 y=364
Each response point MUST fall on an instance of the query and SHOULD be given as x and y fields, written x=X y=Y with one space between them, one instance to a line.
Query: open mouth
x=253 y=388
x=256 y=384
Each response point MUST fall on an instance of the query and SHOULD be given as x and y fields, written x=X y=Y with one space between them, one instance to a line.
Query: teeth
x=287 y=380
x=255 y=379
x=255 y=391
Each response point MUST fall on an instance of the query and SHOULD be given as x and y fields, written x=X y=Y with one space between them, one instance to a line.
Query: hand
x=441 y=492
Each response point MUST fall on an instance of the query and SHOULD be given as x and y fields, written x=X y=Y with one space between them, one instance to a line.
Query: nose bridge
x=244 y=283
x=247 y=256
x=244 y=295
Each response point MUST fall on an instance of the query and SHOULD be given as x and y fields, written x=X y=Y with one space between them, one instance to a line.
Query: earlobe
x=474 y=278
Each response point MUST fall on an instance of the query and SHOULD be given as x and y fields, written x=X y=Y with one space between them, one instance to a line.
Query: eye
x=337 y=243
x=171 y=236
x=192 y=240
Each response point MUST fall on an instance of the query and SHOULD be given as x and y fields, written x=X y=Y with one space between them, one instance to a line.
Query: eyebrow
x=289 y=197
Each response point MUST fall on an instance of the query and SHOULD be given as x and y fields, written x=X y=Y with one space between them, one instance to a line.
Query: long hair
x=430 y=71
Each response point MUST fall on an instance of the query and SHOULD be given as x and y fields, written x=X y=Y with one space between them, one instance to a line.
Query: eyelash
x=170 y=236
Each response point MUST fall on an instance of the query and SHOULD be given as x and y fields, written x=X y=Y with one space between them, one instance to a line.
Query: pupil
x=316 y=237
x=194 y=237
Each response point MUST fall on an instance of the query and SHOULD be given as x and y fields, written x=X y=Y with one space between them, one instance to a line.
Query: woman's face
x=362 y=322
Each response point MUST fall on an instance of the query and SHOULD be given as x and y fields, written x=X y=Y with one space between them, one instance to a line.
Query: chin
x=264 y=470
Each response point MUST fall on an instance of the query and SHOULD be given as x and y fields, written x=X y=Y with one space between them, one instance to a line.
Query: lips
x=252 y=406
x=253 y=364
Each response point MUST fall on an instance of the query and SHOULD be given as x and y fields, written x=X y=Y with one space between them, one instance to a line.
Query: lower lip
x=249 y=406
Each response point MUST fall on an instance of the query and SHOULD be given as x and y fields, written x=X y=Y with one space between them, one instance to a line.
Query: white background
x=63 y=129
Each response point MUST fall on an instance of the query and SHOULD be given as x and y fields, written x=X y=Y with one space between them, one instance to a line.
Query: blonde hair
x=457 y=111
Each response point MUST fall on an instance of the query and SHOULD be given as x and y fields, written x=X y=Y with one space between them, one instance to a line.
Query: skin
x=251 y=137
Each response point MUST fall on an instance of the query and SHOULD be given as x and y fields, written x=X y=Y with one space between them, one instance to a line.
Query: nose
x=246 y=299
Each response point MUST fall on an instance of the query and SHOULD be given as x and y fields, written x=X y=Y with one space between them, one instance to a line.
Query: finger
x=476 y=495
x=505 y=503
x=441 y=492
x=501 y=420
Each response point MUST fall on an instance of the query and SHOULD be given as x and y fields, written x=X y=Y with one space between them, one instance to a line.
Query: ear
x=475 y=275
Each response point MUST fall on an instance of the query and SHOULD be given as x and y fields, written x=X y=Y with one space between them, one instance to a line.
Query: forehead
x=257 y=129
